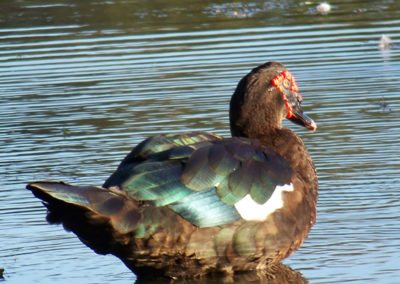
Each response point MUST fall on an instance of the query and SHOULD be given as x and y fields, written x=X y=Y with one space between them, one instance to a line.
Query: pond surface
x=82 y=82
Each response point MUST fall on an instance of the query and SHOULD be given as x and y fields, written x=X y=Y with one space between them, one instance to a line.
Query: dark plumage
x=193 y=203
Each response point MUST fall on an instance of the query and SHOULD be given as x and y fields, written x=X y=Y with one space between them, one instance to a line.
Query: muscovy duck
x=194 y=203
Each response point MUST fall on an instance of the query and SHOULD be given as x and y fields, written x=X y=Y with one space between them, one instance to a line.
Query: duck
x=196 y=203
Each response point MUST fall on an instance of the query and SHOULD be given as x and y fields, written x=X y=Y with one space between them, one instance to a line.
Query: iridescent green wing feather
x=200 y=176
x=152 y=170
x=158 y=148
x=236 y=167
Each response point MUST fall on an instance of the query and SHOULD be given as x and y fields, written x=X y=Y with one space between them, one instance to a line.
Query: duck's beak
x=300 y=118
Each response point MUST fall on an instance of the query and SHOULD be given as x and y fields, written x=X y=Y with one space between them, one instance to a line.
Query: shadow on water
x=276 y=274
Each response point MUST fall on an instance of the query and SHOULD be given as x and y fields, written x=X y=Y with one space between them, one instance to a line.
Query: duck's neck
x=254 y=120
x=262 y=128
x=286 y=143
x=280 y=139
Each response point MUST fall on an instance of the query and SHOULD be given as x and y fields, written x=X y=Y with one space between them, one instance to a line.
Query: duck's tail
x=101 y=218
x=110 y=221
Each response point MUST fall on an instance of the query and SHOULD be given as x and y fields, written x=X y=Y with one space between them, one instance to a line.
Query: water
x=82 y=82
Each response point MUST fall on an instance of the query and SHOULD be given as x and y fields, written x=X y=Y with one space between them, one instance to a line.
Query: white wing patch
x=252 y=211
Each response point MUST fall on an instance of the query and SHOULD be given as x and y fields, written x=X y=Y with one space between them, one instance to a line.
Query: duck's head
x=263 y=98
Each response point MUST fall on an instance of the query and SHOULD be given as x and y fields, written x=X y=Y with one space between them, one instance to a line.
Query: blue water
x=82 y=83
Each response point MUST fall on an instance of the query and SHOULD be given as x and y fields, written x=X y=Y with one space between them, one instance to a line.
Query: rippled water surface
x=81 y=82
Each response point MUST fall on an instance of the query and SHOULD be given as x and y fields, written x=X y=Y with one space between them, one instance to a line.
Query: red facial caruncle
x=286 y=84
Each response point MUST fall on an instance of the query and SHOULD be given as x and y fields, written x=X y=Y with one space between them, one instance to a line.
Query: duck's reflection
x=276 y=274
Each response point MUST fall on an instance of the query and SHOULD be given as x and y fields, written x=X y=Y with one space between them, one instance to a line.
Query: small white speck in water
x=385 y=43
x=323 y=8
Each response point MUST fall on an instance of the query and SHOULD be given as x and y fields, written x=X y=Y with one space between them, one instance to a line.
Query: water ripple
x=75 y=100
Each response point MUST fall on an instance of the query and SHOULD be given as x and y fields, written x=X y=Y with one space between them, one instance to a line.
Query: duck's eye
x=294 y=103
x=299 y=98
